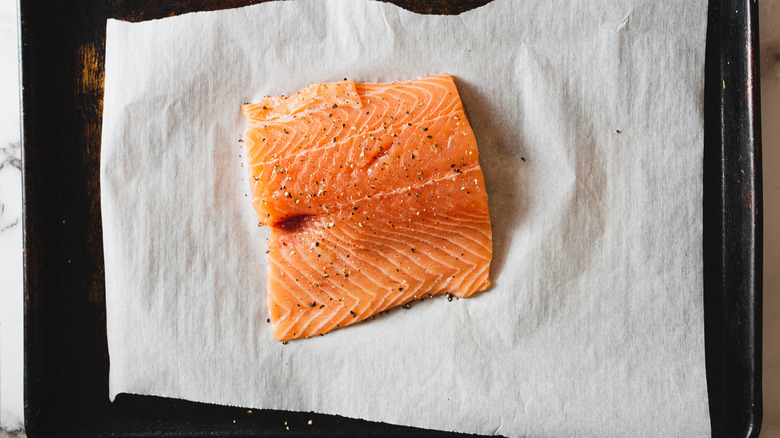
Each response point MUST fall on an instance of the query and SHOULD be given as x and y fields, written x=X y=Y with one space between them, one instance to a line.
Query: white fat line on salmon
x=375 y=111
x=371 y=89
x=432 y=180
x=328 y=143
x=429 y=255
x=431 y=230
x=439 y=176
x=406 y=95
x=375 y=253
x=318 y=104
x=314 y=274
x=476 y=276
x=411 y=284
x=399 y=243
x=298 y=276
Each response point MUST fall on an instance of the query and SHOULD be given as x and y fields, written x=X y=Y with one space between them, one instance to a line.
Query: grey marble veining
x=11 y=345
x=11 y=155
x=10 y=161
x=11 y=284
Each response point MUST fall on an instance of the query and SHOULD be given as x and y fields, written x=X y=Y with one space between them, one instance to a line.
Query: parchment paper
x=588 y=117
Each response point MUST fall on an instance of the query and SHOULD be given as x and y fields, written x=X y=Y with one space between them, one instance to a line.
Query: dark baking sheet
x=66 y=356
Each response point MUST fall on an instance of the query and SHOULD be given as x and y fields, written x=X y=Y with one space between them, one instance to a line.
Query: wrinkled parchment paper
x=588 y=117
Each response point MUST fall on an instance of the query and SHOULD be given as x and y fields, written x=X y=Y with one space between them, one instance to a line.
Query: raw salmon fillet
x=374 y=196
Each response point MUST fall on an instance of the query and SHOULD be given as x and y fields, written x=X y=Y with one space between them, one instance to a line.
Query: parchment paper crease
x=588 y=116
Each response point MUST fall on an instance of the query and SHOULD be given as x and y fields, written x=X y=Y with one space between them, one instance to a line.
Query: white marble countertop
x=10 y=226
x=11 y=411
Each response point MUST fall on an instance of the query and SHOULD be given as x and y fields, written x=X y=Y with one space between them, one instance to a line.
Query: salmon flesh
x=374 y=197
